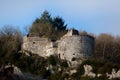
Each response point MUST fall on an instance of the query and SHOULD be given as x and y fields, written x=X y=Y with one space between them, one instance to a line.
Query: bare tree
x=104 y=45
x=10 y=40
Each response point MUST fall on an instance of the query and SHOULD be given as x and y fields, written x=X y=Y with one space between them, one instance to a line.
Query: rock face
x=114 y=74
x=88 y=71
x=71 y=46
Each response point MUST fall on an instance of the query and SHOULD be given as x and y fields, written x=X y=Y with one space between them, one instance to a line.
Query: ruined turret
x=75 y=47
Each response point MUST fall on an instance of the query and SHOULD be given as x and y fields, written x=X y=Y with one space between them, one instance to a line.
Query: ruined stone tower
x=74 y=47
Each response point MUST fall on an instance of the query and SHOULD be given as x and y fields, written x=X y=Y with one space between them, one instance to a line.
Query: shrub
x=64 y=63
x=52 y=60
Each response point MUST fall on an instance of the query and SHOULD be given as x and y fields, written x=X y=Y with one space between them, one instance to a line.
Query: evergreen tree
x=48 y=27
x=42 y=26
x=59 y=24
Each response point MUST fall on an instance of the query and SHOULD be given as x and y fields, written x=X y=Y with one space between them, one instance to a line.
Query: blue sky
x=93 y=16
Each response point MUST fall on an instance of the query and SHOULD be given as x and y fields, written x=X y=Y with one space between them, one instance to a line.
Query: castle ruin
x=71 y=47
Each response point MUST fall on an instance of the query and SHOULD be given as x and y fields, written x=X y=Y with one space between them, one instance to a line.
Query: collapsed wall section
x=51 y=48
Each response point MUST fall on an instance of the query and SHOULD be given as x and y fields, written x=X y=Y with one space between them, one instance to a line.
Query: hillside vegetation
x=106 y=56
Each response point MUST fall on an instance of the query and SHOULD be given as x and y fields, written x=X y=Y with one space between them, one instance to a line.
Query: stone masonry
x=70 y=47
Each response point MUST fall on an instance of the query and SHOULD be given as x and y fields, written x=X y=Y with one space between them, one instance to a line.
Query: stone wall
x=76 y=46
x=51 y=48
x=35 y=45
x=71 y=47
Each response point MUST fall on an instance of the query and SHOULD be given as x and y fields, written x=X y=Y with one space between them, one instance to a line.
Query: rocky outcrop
x=114 y=74
x=88 y=71
x=11 y=72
